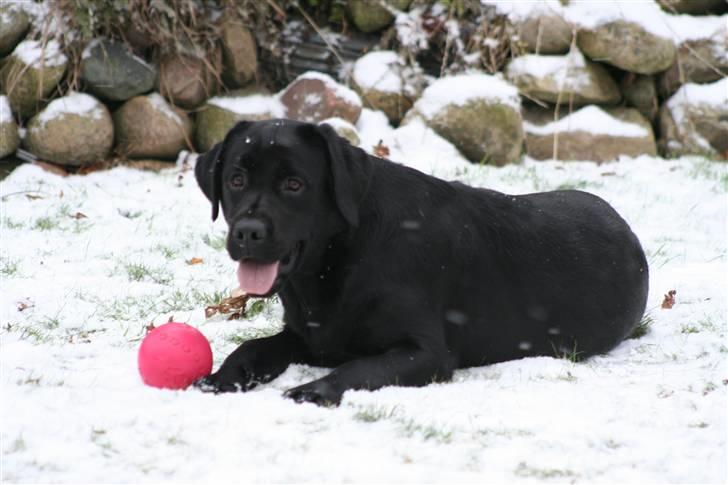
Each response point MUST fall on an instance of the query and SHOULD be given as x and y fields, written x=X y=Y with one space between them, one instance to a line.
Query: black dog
x=394 y=277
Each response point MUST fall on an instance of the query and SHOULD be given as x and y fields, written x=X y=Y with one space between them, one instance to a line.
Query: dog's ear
x=351 y=171
x=208 y=172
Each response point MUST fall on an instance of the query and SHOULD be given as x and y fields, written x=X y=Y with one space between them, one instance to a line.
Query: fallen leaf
x=33 y=197
x=381 y=150
x=79 y=215
x=150 y=327
x=25 y=304
x=233 y=304
x=52 y=168
x=669 y=300
x=608 y=174
x=194 y=261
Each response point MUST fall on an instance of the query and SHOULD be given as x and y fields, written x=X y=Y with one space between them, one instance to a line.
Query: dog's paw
x=318 y=392
x=224 y=382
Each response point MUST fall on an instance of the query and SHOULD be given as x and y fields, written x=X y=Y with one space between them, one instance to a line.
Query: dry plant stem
x=555 y=152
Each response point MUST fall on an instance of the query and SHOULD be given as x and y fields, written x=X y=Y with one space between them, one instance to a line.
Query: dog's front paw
x=319 y=392
x=225 y=381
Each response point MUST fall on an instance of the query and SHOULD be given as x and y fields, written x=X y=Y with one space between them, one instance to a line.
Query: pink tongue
x=257 y=278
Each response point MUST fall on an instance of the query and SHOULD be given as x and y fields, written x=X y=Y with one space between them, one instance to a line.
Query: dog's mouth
x=260 y=278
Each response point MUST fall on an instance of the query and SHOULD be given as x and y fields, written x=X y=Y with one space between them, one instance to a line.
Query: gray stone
x=148 y=127
x=27 y=85
x=62 y=133
x=546 y=34
x=9 y=137
x=370 y=16
x=312 y=97
x=575 y=143
x=344 y=129
x=14 y=24
x=187 y=80
x=695 y=121
x=640 y=91
x=569 y=79
x=698 y=61
x=628 y=46
x=113 y=73
x=239 y=54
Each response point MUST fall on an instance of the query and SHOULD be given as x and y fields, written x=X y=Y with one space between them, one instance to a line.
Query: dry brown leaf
x=25 y=304
x=79 y=215
x=52 y=168
x=669 y=300
x=233 y=304
x=33 y=196
x=381 y=150
x=194 y=261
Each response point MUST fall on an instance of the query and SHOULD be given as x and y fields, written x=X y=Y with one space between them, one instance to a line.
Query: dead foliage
x=233 y=306
x=669 y=300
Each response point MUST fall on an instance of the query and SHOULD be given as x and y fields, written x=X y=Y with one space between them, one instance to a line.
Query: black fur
x=398 y=278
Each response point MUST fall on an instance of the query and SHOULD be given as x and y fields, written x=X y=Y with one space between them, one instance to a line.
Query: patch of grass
x=140 y=272
x=372 y=414
x=127 y=308
x=689 y=328
x=428 y=431
x=50 y=323
x=643 y=327
x=17 y=445
x=525 y=470
x=563 y=352
x=45 y=224
x=659 y=257
x=255 y=307
x=250 y=334
x=166 y=251
x=215 y=241
x=12 y=224
x=9 y=267
x=208 y=299
x=35 y=334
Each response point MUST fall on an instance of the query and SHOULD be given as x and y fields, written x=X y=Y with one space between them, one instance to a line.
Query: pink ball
x=173 y=356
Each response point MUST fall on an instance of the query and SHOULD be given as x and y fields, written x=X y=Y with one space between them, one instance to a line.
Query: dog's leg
x=401 y=366
x=255 y=362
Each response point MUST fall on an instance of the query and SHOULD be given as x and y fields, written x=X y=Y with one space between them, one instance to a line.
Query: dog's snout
x=250 y=231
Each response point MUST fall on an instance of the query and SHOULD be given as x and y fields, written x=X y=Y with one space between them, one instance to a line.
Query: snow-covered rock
x=640 y=92
x=14 y=24
x=187 y=80
x=344 y=129
x=9 y=138
x=72 y=130
x=695 y=120
x=113 y=73
x=702 y=54
x=591 y=134
x=238 y=52
x=569 y=79
x=633 y=37
x=386 y=83
x=478 y=113
x=31 y=73
x=314 y=96
x=221 y=113
x=148 y=127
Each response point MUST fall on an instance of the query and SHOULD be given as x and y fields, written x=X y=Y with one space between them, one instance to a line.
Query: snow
x=688 y=27
x=460 y=89
x=338 y=123
x=382 y=71
x=33 y=53
x=590 y=119
x=341 y=91
x=646 y=14
x=652 y=410
x=250 y=105
x=520 y=11
x=161 y=105
x=560 y=68
x=73 y=103
x=693 y=97
x=6 y=114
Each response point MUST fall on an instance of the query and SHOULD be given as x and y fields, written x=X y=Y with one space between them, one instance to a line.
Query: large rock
x=695 y=120
x=344 y=129
x=694 y=7
x=385 y=82
x=635 y=38
x=702 y=55
x=545 y=33
x=478 y=113
x=591 y=134
x=148 y=127
x=14 y=24
x=569 y=79
x=113 y=73
x=72 y=130
x=9 y=138
x=221 y=113
x=187 y=80
x=370 y=15
x=31 y=73
x=240 y=58
x=313 y=97
x=640 y=91
x=628 y=46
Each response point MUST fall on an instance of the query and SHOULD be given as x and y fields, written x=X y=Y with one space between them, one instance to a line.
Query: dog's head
x=285 y=188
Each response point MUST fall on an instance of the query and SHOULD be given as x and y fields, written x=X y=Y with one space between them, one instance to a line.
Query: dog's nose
x=250 y=231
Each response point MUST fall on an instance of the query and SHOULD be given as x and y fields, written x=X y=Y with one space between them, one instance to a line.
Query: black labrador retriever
x=394 y=277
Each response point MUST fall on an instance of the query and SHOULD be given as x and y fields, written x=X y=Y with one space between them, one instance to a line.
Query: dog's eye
x=237 y=181
x=292 y=184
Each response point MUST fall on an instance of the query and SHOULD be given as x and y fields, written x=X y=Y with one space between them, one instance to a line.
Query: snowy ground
x=78 y=291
